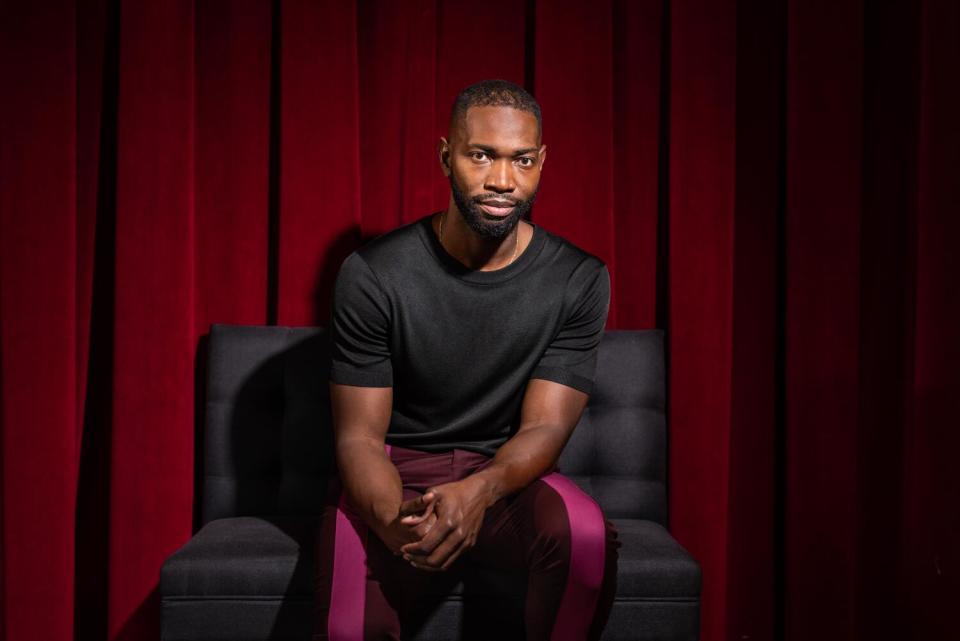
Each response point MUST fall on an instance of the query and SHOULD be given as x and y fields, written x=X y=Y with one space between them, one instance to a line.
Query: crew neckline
x=461 y=271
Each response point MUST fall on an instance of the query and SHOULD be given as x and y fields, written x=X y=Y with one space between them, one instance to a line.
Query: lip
x=498 y=208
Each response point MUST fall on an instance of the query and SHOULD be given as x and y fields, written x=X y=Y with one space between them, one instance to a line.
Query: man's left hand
x=459 y=508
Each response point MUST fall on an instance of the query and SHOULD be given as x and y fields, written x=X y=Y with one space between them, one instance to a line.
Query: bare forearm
x=370 y=479
x=522 y=460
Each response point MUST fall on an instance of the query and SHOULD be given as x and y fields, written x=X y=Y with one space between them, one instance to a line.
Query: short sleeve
x=360 y=328
x=571 y=357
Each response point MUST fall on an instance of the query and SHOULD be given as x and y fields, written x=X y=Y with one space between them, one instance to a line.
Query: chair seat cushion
x=244 y=556
x=652 y=564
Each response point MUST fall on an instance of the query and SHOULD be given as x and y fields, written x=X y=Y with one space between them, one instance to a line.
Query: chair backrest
x=269 y=446
x=618 y=452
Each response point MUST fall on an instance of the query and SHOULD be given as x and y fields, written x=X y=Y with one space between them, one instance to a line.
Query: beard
x=479 y=221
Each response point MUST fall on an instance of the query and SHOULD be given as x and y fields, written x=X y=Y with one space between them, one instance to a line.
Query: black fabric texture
x=458 y=346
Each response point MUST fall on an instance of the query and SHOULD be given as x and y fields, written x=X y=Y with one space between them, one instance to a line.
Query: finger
x=424 y=567
x=442 y=558
x=415 y=519
x=412 y=520
x=416 y=505
x=441 y=555
x=412 y=506
x=419 y=518
x=456 y=554
x=428 y=544
x=421 y=529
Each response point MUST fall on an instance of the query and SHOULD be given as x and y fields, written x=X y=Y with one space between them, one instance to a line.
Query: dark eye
x=478 y=155
x=525 y=161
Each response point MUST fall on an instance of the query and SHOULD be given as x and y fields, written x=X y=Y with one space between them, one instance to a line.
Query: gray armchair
x=247 y=574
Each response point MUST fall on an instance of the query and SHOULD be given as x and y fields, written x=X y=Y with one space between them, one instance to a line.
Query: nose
x=500 y=178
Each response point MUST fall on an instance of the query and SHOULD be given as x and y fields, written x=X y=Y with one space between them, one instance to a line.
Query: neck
x=473 y=250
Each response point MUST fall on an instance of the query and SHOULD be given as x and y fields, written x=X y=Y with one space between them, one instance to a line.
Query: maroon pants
x=550 y=535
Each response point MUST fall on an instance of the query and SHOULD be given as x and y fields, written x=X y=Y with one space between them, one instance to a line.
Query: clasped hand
x=449 y=517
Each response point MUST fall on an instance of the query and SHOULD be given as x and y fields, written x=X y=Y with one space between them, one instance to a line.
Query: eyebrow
x=517 y=152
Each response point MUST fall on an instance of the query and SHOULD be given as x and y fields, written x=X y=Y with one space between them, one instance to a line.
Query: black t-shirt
x=459 y=345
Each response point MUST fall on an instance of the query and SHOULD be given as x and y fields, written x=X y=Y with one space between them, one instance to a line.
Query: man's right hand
x=414 y=520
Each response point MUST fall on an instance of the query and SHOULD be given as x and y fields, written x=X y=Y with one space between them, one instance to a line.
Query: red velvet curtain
x=773 y=183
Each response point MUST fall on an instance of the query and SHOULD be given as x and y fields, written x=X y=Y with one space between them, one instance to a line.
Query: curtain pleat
x=151 y=452
x=38 y=320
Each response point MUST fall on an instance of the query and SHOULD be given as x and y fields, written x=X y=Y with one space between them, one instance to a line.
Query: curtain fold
x=772 y=183
x=39 y=320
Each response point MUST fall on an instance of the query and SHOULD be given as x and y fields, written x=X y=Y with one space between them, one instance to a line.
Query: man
x=463 y=353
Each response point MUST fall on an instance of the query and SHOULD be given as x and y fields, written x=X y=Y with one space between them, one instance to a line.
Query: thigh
x=511 y=525
x=557 y=533
x=551 y=514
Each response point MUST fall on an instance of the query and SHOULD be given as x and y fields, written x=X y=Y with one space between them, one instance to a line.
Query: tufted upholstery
x=618 y=450
x=247 y=573
x=268 y=445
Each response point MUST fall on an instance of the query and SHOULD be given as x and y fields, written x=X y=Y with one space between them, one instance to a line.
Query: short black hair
x=494 y=93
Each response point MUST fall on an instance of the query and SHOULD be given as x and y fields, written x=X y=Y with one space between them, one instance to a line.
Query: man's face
x=493 y=160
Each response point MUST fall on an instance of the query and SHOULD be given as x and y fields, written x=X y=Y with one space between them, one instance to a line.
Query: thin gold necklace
x=515 y=251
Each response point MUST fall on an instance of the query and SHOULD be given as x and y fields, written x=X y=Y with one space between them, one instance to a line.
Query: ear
x=543 y=155
x=443 y=153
